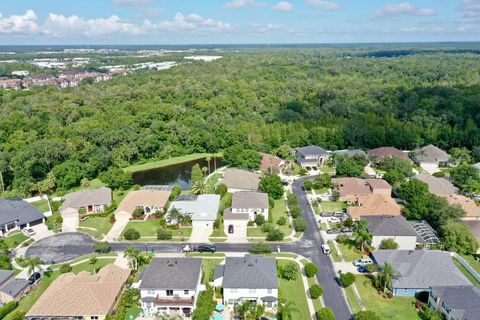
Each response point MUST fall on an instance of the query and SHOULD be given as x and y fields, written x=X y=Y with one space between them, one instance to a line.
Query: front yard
x=294 y=291
x=397 y=308
x=349 y=251
x=332 y=206
x=279 y=210
x=149 y=227
x=101 y=224
x=15 y=239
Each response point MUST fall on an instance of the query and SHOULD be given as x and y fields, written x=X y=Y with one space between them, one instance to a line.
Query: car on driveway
x=326 y=214
x=29 y=232
x=206 y=248
x=362 y=262
x=334 y=219
x=346 y=230
x=34 y=277
x=332 y=231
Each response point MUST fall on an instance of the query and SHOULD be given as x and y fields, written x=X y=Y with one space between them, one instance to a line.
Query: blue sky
x=236 y=21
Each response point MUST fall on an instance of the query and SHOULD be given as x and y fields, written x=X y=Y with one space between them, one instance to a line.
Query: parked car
x=362 y=269
x=187 y=248
x=334 y=219
x=29 y=232
x=206 y=248
x=332 y=231
x=34 y=277
x=346 y=230
x=362 y=262
x=326 y=214
x=325 y=249
x=339 y=214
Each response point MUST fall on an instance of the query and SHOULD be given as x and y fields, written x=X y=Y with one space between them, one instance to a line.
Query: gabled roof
x=201 y=208
x=351 y=152
x=374 y=205
x=241 y=179
x=172 y=274
x=431 y=154
x=385 y=152
x=390 y=226
x=437 y=186
x=250 y=272
x=463 y=301
x=468 y=205
x=141 y=198
x=17 y=209
x=355 y=186
x=82 y=294
x=15 y=287
x=419 y=269
x=250 y=199
x=83 y=198
x=5 y=275
x=269 y=161
x=312 y=151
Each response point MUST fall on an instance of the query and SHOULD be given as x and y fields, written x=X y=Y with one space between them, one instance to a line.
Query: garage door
x=37 y=222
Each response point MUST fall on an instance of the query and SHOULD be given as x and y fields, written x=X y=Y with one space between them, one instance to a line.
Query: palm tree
x=132 y=254
x=243 y=308
x=174 y=214
x=385 y=277
x=33 y=263
x=286 y=309
x=361 y=234
x=200 y=187
x=93 y=261
x=257 y=312
x=208 y=163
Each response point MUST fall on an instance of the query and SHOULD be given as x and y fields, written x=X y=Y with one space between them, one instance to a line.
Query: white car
x=362 y=262
x=187 y=248
x=334 y=219
x=29 y=231
x=325 y=249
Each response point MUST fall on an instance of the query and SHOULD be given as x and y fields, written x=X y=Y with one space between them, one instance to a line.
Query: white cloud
x=130 y=3
x=191 y=21
x=324 y=4
x=283 y=6
x=423 y=29
x=240 y=4
x=22 y=24
x=404 y=8
x=60 y=25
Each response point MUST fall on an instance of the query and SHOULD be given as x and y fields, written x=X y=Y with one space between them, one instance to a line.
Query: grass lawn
x=333 y=251
x=349 y=251
x=465 y=272
x=471 y=261
x=279 y=210
x=134 y=311
x=219 y=232
x=208 y=268
x=326 y=169
x=295 y=292
x=41 y=205
x=169 y=161
x=398 y=308
x=331 y=206
x=311 y=281
x=352 y=301
x=15 y=239
x=212 y=182
x=103 y=225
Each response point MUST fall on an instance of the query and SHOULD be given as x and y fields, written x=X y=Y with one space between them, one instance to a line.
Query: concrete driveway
x=121 y=221
x=200 y=233
x=41 y=231
x=70 y=222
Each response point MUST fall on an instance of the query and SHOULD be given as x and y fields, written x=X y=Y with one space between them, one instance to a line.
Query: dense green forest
x=258 y=98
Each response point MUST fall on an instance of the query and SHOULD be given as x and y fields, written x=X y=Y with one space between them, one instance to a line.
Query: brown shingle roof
x=241 y=179
x=269 y=161
x=374 y=205
x=83 y=198
x=468 y=205
x=349 y=187
x=385 y=152
x=250 y=199
x=141 y=198
x=82 y=294
x=437 y=186
x=431 y=154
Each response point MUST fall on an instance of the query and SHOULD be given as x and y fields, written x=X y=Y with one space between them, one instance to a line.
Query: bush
x=216 y=223
x=282 y=221
x=388 y=244
x=308 y=185
x=366 y=315
x=131 y=234
x=138 y=213
x=176 y=190
x=259 y=248
x=163 y=234
x=259 y=219
x=17 y=315
x=101 y=247
x=347 y=279
x=292 y=199
x=299 y=224
x=267 y=227
x=275 y=235
x=311 y=269
x=342 y=238
x=316 y=291
x=7 y=308
x=250 y=223
x=325 y=314
x=221 y=189
x=295 y=211
x=290 y=271
x=64 y=268
x=271 y=203
x=205 y=305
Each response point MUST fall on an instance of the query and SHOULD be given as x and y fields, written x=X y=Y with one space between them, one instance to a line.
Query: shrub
x=271 y=203
x=299 y=224
x=347 y=279
x=221 y=189
x=290 y=271
x=292 y=199
x=7 y=308
x=138 y=213
x=316 y=291
x=282 y=221
x=311 y=269
x=17 y=315
x=176 y=190
x=295 y=211
x=259 y=219
x=216 y=223
x=101 y=247
x=439 y=174
x=260 y=248
x=366 y=315
x=131 y=234
x=325 y=314
x=342 y=238
x=308 y=185
x=64 y=268
x=250 y=223
x=275 y=235
x=267 y=227
x=163 y=234
x=205 y=305
x=388 y=244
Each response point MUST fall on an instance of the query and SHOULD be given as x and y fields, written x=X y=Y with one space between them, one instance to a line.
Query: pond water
x=176 y=174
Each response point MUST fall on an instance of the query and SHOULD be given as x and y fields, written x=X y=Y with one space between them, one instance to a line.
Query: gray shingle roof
x=312 y=151
x=437 y=186
x=4 y=275
x=86 y=197
x=464 y=301
x=431 y=154
x=250 y=199
x=250 y=272
x=14 y=287
x=17 y=209
x=390 y=226
x=241 y=179
x=201 y=208
x=172 y=273
x=352 y=152
x=421 y=269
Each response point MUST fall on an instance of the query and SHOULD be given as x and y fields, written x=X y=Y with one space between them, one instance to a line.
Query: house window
x=269 y=291
x=169 y=293
x=94 y=317
x=252 y=290
x=151 y=292
x=185 y=291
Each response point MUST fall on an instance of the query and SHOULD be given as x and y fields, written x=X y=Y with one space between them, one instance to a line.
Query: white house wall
x=404 y=243
x=230 y=296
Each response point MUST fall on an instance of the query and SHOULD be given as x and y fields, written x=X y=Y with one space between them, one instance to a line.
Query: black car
x=34 y=278
x=206 y=248
x=332 y=231
x=326 y=214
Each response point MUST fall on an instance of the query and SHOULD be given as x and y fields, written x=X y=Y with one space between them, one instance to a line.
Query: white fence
x=467 y=266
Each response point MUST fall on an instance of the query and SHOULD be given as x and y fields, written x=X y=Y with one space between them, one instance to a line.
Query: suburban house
x=203 y=209
x=472 y=210
x=351 y=153
x=240 y=180
x=350 y=188
x=373 y=205
x=5 y=276
x=430 y=158
x=246 y=205
x=249 y=278
x=437 y=186
x=87 y=201
x=151 y=201
x=271 y=163
x=13 y=290
x=456 y=303
x=392 y=227
x=17 y=214
x=81 y=296
x=311 y=156
x=387 y=152
x=170 y=286
x=420 y=270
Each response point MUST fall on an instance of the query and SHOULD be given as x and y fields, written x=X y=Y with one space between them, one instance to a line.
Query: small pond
x=176 y=174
